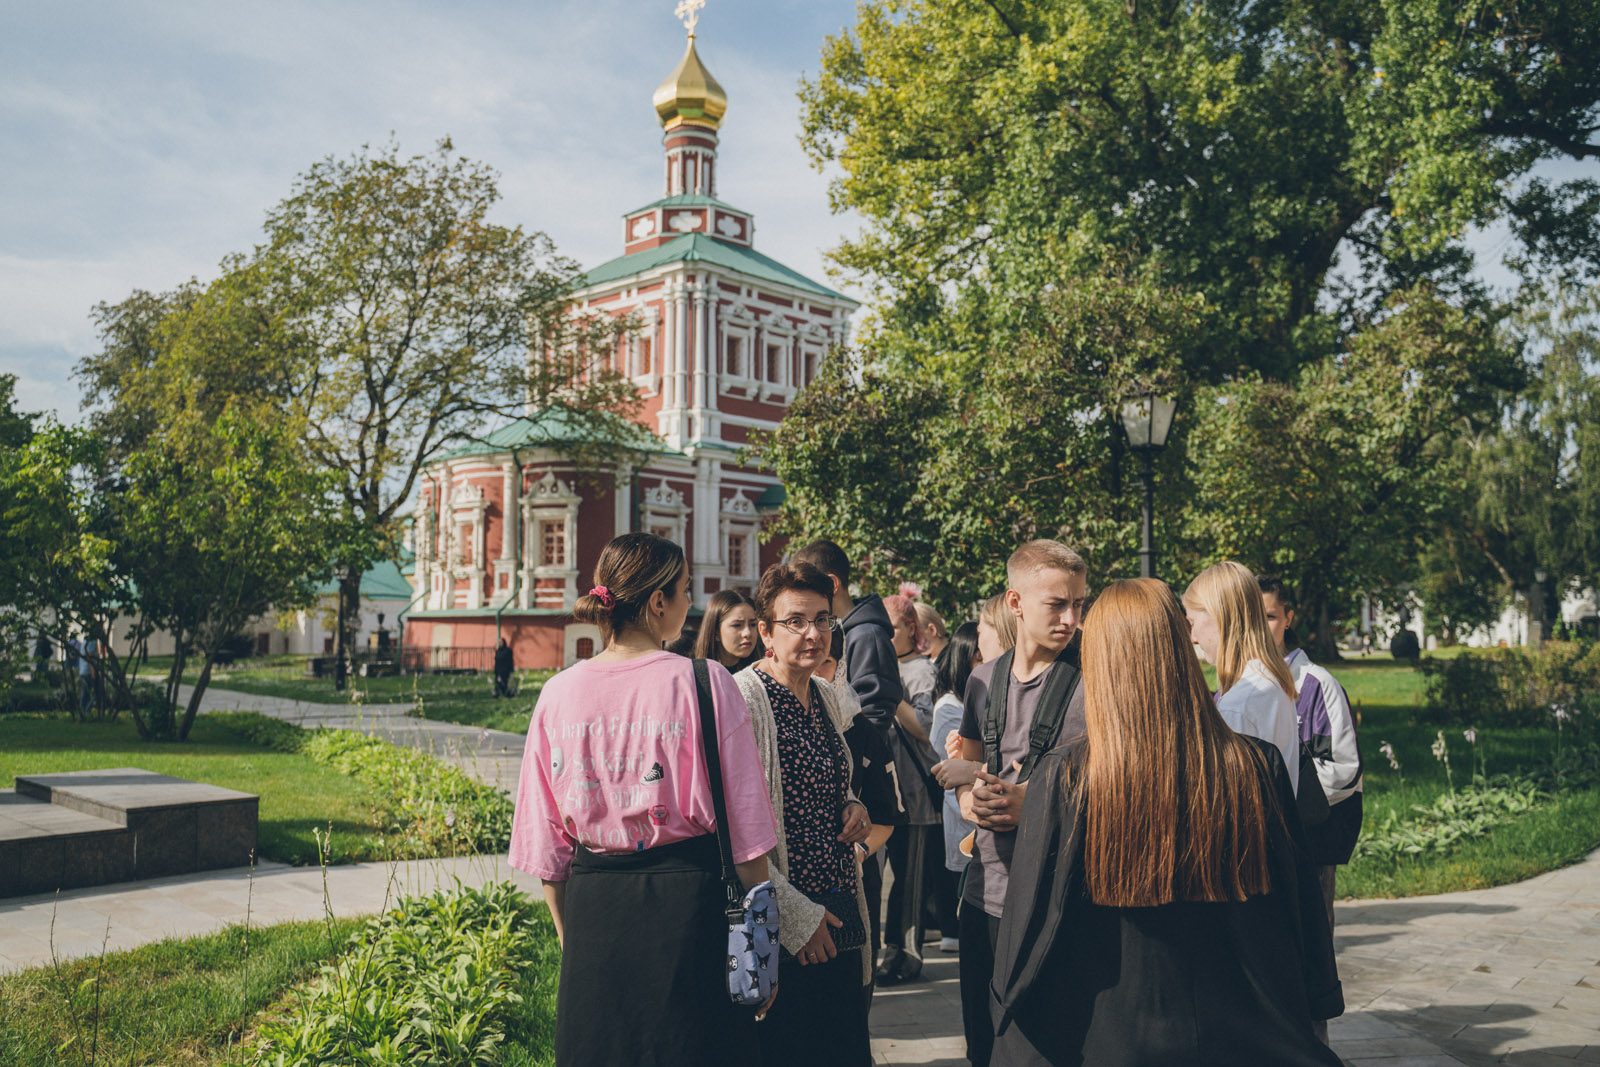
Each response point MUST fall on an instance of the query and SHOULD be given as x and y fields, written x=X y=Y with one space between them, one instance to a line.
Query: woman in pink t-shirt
x=615 y=815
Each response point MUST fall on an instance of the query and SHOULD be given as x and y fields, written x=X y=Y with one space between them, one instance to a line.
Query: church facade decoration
x=508 y=530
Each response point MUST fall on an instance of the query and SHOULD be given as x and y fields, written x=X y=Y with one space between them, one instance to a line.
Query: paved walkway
x=1508 y=975
x=492 y=756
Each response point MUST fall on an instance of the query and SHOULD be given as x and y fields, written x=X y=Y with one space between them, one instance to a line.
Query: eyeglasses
x=822 y=624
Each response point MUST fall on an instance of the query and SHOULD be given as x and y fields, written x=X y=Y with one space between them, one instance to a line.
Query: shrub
x=433 y=981
x=433 y=808
x=1404 y=646
x=1516 y=685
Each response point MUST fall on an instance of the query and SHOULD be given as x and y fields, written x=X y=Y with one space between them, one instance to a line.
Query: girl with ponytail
x=614 y=813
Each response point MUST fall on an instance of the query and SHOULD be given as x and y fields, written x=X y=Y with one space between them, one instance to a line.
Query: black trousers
x=820 y=1016
x=872 y=890
x=906 y=849
x=979 y=932
x=945 y=889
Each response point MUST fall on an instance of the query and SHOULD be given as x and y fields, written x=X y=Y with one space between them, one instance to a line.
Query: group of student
x=1133 y=868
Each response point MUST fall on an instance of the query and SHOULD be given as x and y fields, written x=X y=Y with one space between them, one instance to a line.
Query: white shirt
x=1258 y=706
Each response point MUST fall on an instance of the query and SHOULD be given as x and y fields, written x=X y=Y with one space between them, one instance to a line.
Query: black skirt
x=644 y=963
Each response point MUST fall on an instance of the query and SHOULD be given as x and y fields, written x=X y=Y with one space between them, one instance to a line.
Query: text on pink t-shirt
x=614 y=762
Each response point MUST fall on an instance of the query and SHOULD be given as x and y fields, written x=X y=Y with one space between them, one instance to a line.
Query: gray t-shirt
x=990 y=870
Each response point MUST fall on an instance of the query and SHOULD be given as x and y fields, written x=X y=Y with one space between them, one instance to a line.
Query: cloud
x=147 y=140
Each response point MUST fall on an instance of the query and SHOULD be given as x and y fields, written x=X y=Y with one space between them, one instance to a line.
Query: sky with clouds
x=145 y=140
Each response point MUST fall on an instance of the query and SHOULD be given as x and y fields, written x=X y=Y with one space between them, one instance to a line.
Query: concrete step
x=45 y=847
x=92 y=827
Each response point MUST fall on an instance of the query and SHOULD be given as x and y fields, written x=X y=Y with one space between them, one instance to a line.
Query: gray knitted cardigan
x=798 y=916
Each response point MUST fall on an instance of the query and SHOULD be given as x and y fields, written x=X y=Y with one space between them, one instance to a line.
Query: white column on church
x=702 y=346
x=508 y=510
x=680 y=398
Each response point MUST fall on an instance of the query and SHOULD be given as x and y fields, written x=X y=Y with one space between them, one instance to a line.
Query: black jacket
x=1183 y=983
x=870 y=662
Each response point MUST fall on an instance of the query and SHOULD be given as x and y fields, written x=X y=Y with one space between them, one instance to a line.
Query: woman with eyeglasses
x=799 y=722
x=728 y=633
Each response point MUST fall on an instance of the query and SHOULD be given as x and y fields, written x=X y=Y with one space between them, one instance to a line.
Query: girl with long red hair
x=1161 y=907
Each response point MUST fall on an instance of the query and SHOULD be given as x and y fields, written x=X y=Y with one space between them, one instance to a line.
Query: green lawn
x=297 y=794
x=1387 y=698
x=460 y=698
x=174 y=1003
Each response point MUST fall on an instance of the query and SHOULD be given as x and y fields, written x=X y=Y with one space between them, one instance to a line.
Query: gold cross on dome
x=689 y=12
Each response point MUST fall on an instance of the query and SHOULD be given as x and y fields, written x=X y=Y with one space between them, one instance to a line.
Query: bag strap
x=994 y=713
x=1059 y=686
x=708 y=743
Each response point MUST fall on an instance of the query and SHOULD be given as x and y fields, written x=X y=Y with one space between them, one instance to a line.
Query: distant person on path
x=1328 y=732
x=1016 y=708
x=871 y=668
x=88 y=665
x=820 y=1016
x=615 y=815
x=504 y=663
x=911 y=852
x=954 y=668
x=728 y=633
x=42 y=651
x=1255 y=691
x=1161 y=907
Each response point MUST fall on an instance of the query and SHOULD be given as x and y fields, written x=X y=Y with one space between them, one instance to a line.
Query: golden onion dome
x=691 y=96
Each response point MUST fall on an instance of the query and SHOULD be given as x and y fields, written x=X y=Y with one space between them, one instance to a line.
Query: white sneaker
x=949 y=944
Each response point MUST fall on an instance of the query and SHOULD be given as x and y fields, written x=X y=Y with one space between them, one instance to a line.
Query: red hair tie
x=606 y=599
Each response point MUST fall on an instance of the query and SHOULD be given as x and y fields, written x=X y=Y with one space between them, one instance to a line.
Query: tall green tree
x=1332 y=478
x=386 y=318
x=1241 y=150
x=215 y=529
x=1529 y=482
x=934 y=467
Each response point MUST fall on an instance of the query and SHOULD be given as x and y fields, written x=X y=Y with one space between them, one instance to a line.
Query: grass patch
x=174 y=1003
x=298 y=795
x=1388 y=700
x=467 y=699
x=431 y=807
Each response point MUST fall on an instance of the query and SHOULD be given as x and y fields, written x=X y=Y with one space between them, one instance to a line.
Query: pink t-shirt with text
x=614 y=762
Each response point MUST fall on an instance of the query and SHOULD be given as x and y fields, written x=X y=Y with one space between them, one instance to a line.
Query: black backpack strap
x=708 y=743
x=994 y=712
x=1059 y=688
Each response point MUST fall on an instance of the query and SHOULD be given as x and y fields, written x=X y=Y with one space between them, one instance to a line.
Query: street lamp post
x=1146 y=419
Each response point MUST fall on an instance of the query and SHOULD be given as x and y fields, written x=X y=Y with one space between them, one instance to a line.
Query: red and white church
x=729 y=335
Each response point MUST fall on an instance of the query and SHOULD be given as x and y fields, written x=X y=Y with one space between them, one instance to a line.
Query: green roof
x=554 y=427
x=698 y=248
x=689 y=200
x=772 y=498
x=383 y=582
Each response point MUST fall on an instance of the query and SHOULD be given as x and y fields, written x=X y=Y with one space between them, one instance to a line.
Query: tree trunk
x=1322 y=644
x=200 y=684
x=349 y=614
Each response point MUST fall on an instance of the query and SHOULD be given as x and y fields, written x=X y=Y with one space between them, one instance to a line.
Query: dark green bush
x=1403 y=646
x=1517 y=685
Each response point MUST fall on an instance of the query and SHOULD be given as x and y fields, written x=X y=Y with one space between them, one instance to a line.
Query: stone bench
x=82 y=828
